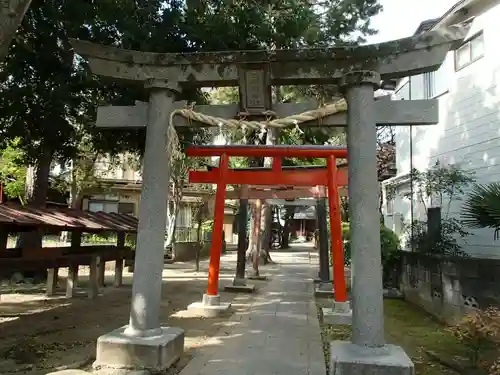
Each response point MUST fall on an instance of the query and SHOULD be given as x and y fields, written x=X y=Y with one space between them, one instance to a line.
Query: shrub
x=448 y=242
x=479 y=332
x=389 y=244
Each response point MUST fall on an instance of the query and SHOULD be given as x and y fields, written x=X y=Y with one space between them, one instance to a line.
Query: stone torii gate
x=11 y=15
x=357 y=71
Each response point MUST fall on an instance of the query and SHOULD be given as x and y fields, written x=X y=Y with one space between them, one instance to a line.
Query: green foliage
x=207 y=225
x=81 y=176
x=48 y=98
x=12 y=170
x=447 y=243
x=224 y=95
x=479 y=332
x=482 y=208
x=346 y=240
x=389 y=244
x=283 y=24
x=440 y=184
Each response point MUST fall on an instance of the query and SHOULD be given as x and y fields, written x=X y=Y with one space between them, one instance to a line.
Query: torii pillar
x=368 y=350
x=157 y=347
x=324 y=279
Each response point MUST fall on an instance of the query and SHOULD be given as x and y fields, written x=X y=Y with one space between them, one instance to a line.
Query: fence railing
x=186 y=235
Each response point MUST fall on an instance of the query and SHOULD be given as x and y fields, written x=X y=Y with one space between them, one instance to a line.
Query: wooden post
x=215 y=251
x=52 y=278
x=101 y=272
x=93 y=282
x=336 y=232
x=72 y=280
x=242 y=243
x=120 y=244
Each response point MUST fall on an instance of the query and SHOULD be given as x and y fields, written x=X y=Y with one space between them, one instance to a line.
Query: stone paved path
x=278 y=335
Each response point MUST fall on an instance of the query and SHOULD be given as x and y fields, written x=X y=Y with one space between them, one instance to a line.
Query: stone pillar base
x=340 y=314
x=240 y=286
x=117 y=350
x=324 y=289
x=209 y=307
x=350 y=359
x=259 y=278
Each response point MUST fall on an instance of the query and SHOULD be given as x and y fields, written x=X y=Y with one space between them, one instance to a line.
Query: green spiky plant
x=482 y=208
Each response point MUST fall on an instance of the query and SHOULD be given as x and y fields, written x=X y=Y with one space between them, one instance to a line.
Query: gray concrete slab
x=203 y=310
x=324 y=290
x=117 y=350
x=280 y=332
x=350 y=359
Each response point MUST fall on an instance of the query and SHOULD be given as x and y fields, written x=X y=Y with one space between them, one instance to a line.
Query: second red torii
x=268 y=176
x=223 y=176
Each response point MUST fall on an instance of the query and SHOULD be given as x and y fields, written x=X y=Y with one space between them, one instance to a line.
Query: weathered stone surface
x=368 y=318
x=324 y=289
x=395 y=59
x=147 y=282
x=386 y=112
x=117 y=350
x=208 y=311
x=340 y=314
x=351 y=359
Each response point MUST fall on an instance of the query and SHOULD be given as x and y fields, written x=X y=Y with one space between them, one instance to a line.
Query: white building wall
x=468 y=133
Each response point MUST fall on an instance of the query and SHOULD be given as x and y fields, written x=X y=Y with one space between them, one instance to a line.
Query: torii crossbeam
x=277 y=175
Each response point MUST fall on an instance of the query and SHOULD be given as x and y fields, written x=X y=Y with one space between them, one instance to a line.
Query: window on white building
x=389 y=205
x=106 y=203
x=429 y=85
x=470 y=51
x=104 y=206
x=126 y=208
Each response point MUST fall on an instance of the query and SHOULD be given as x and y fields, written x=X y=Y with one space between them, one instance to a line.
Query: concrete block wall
x=449 y=288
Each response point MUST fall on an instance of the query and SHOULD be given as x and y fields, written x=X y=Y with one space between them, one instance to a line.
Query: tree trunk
x=199 y=221
x=344 y=209
x=255 y=241
x=75 y=202
x=37 y=189
x=265 y=229
x=172 y=213
x=290 y=212
x=267 y=213
x=381 y=204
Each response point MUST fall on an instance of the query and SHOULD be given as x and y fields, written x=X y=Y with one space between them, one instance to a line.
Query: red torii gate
x=222 y=176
